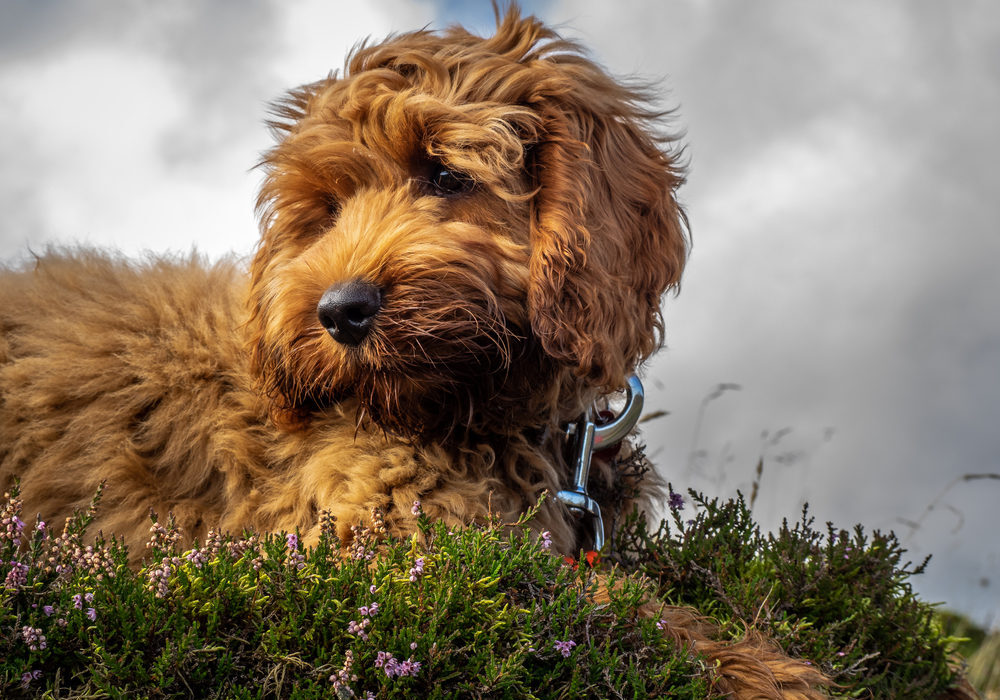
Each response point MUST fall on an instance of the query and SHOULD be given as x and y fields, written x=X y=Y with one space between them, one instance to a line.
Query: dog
x=464 y=246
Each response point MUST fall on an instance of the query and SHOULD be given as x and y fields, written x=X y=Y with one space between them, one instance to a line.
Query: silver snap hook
x=591 y=437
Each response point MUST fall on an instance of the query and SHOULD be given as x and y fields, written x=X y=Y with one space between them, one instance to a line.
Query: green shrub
x=484 y=611
x=841 y=599
x=478 y=612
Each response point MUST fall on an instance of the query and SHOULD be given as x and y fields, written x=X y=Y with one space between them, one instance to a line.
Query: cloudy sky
x=844 y=196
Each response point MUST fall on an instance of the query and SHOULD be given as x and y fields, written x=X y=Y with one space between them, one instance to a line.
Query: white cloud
x=139 y=131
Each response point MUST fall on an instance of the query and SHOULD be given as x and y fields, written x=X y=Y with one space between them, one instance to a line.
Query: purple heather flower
x=417 y=570
x=359 y=546
x=416 y=510
x=77 y=601
x=675 y=501
x=159 y=578
x=662 y=624
x=29 y=676
x=371 y=589
x=546 y=539
x=48 y=610
x=343 y=677
x=358 y=629
x=34 y=638
x=409 y=667
x=565 y=648
x=393 y=668
x=17 y=576
x=10 y=524
x=295 y=557
x=92 y=614
x=196 y=557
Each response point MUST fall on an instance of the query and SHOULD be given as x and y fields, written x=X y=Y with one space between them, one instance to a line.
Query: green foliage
x=841 y=599
x=968 y=636
x=479 y=612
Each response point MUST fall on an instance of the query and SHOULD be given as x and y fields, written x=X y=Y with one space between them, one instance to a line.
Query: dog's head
x=457 y=226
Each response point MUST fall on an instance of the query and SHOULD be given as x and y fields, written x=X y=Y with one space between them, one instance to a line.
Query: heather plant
x=842 y=599
x=479 y=612
x=486 y=611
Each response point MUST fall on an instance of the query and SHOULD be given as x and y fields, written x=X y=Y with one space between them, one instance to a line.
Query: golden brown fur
x=508 y=307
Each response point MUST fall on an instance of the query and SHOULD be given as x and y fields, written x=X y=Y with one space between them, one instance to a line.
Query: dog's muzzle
x=348 y=310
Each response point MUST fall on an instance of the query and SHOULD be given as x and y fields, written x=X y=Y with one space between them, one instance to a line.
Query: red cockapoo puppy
x=464 y=245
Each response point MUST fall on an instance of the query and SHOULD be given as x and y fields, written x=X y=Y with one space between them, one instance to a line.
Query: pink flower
x=565 y=648
x=34 y=638
x=393 y=668
x=295 y=558
x=17 y=576
x=196 y=557
x=358 y=628
x=417 y=570
x=675 y=501
x=29 y=676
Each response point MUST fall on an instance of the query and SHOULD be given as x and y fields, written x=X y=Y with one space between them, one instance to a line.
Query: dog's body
x=465 y=244
x=143 y=380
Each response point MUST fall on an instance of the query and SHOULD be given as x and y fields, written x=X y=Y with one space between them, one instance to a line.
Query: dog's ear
x=608 y=236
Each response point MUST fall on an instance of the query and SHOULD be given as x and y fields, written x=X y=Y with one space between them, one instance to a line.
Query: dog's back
x=125 y=372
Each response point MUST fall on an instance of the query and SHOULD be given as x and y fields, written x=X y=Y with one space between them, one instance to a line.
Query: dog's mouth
x=422 y=367
x=431 y=374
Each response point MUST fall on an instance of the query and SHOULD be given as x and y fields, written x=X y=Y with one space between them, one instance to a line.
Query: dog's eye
x=446 y=181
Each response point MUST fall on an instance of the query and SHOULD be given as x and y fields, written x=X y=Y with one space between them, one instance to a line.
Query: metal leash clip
x=591 y=437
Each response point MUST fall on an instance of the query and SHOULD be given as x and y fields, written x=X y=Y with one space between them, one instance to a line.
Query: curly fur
x=510 y=306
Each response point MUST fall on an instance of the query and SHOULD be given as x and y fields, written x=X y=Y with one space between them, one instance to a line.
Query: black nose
x=347 y=310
